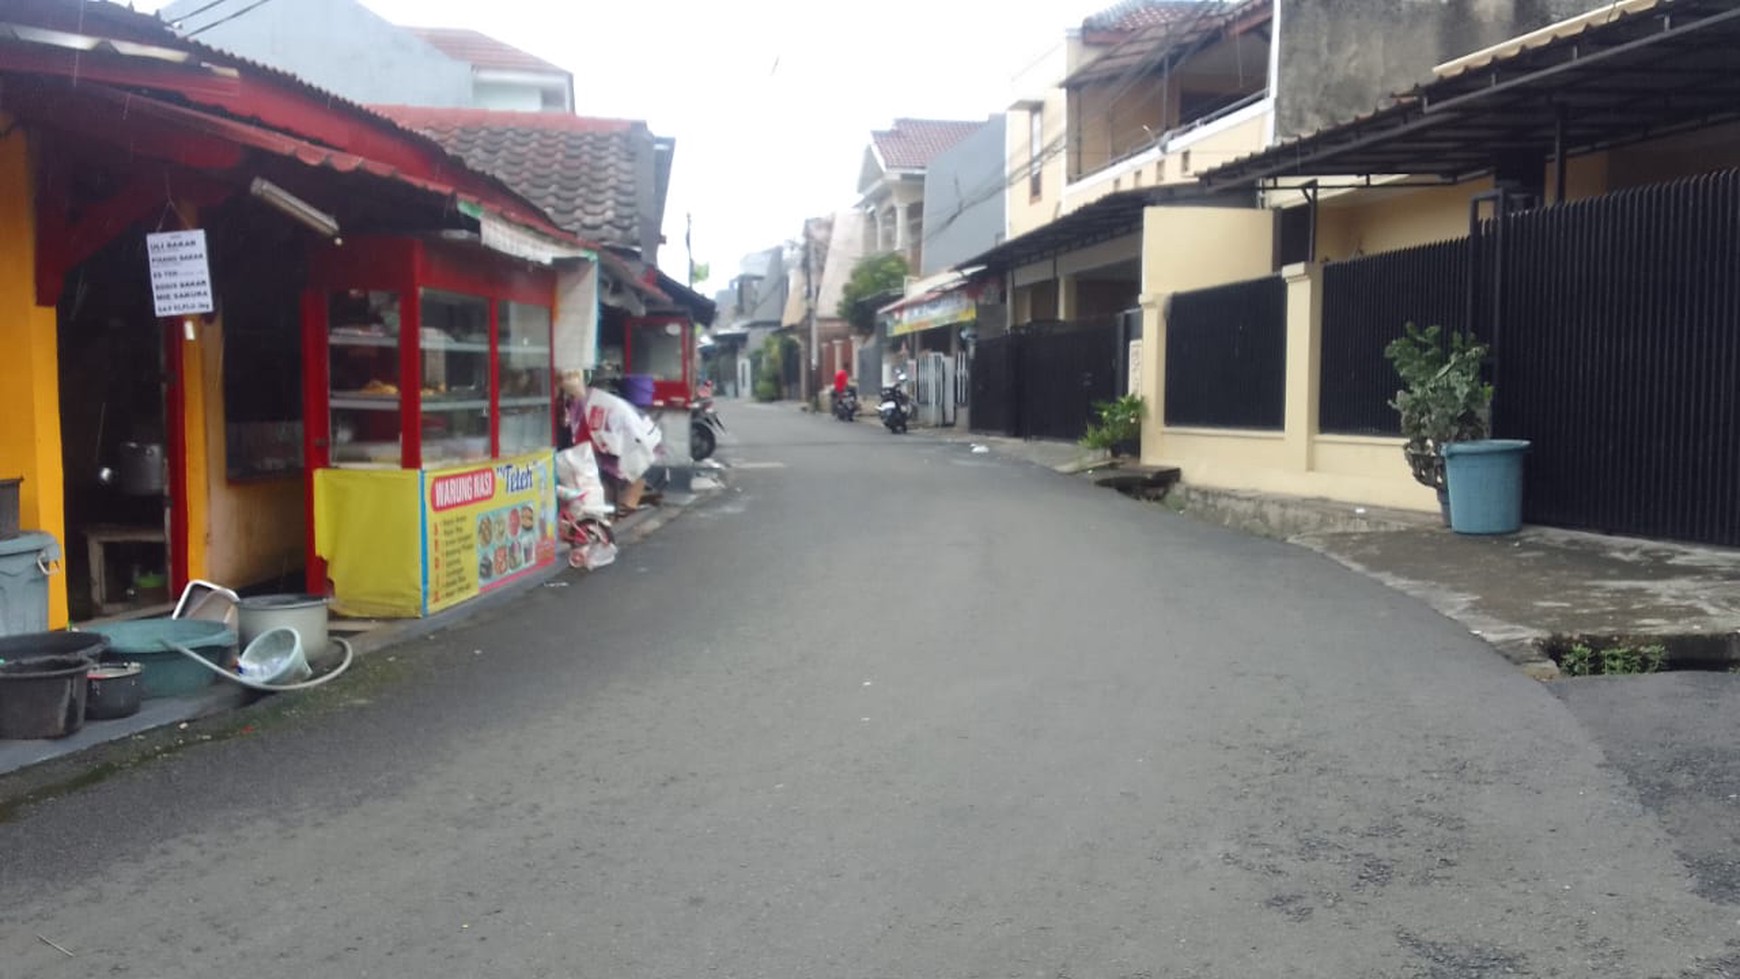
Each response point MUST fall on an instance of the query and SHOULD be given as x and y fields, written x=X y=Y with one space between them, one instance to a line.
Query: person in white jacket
x=626 y=441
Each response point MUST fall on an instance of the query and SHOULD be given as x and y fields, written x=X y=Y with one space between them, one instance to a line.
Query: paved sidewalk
x=1520 y=590
x=366 y=636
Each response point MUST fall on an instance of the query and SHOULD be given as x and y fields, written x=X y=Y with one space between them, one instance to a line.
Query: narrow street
x=884 y=708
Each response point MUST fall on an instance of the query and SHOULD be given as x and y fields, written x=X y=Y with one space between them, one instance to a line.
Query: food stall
x=431 y=421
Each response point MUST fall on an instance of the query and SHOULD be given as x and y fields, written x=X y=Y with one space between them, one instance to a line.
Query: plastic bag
x=594 y=546
x=579 y=488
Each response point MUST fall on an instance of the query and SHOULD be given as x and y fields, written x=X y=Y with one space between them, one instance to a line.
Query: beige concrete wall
x=1026 y=212
x=1186 y=248
x=1182 y=159
x=1197 y=248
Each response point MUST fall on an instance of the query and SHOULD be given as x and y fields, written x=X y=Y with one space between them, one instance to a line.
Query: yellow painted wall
x=1196 y=247
x=253 y=531
x=1186 y=248
x=1026 y=212
x=1384 y=220
x=1200 y=247
x=29 y=370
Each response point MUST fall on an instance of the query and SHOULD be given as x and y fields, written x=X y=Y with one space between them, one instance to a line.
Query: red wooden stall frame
x=406 y=266
x=666 y=393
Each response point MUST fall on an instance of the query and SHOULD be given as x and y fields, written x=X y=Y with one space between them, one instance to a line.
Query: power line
x=199 y=10
x=256 y=5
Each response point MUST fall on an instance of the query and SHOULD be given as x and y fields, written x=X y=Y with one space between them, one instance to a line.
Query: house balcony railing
x=1176 y=140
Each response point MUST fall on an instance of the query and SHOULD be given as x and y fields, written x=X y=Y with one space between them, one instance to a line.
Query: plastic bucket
x=637 y=390
x=44 y=696
x=168 y=673
x=25 y=564
x=275 y=657
x=306 y=614
x=1486 y=485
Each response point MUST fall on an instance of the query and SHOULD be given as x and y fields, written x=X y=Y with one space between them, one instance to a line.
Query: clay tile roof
x=482 y=51
x=581 y=171
x=1131 y=15
x=913 y=143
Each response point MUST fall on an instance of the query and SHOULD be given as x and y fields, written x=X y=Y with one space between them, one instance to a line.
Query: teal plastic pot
x=1486 y=485
x=167 y=672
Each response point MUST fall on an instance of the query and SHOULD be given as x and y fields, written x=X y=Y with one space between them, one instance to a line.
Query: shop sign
x=487 y=526
x=180 y=272
x=943 y=310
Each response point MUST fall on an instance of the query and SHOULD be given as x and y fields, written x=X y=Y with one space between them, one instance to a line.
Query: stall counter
x=404 y=543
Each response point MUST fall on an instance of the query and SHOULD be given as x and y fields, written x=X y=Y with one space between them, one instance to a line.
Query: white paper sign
x=180 y=274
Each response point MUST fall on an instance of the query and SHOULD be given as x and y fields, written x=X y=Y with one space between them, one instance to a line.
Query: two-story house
x=1151 y=94
x=891 y=182
x=346 y=48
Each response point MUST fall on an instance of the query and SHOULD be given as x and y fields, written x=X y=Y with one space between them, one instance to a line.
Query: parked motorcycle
x=846 y=405
x=704 y=429
x=896 y=407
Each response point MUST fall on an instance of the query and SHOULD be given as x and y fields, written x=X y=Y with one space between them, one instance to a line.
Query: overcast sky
x=771 y=103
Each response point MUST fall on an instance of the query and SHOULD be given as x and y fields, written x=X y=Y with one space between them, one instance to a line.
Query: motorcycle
x=846 y=405
x=896 y=407
x=704 y=429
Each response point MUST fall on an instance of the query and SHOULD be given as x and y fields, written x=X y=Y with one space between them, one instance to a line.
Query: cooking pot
x=141 y=465
x=116 y=690
x=306 y=614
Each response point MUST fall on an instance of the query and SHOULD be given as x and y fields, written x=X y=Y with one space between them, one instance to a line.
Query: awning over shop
x=1634 y=71
x=1112 y=216
x=948 y=306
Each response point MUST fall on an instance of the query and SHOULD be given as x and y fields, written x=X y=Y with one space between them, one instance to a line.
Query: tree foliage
x=1443 y=398
x=872 y=275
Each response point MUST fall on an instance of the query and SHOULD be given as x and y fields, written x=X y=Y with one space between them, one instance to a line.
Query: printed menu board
x=486 y=526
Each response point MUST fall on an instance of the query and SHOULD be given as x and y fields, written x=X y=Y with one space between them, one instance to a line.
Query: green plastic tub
x=169 y=673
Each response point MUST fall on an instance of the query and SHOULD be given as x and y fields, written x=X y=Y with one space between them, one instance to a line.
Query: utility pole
x=689 y=244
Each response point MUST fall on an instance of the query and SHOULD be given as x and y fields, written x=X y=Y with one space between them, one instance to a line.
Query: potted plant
x=1442 y=400
x=1119 y=429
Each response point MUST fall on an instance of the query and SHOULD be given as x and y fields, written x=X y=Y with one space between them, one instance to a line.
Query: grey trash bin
x=26 y=561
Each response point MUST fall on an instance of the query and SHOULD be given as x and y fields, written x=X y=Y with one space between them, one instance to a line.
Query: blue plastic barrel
x=1486 y=484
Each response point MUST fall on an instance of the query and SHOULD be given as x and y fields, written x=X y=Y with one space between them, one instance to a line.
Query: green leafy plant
x=872 y=276
x=1120 y=422
x=768 y=366
x=1442 y=398
x=1582 y=659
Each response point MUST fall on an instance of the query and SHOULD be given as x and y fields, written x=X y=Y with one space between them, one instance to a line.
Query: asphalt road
x=887 y=708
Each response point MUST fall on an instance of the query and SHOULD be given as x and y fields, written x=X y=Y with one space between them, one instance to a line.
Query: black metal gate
x=1226 y=356
x=1043 y=381
x=1616 y=350
x=1366 y=303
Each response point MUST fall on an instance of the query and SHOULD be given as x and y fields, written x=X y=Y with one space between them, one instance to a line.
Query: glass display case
x=363 y=363
x=455 y=383
x=427 y=360
x=524 y=377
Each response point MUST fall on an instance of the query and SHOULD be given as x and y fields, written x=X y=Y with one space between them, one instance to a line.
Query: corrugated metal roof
x=1602 y=77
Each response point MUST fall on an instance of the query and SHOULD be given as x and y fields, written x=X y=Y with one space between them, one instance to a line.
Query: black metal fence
x=1366 y=302
x=1617 y=352
x=1226 y=356
x=1042 y=381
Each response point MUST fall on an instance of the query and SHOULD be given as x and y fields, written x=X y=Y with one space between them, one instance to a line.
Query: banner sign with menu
x=486 y=525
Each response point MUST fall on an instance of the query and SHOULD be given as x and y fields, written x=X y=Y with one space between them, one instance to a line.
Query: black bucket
x=42 y=682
